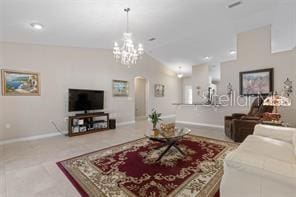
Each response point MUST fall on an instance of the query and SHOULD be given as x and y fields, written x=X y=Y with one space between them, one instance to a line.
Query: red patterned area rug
x=131 y=169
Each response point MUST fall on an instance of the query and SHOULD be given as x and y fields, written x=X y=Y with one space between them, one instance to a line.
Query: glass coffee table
x=168 y=141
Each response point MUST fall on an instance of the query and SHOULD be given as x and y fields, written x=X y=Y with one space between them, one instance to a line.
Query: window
x=188 y=94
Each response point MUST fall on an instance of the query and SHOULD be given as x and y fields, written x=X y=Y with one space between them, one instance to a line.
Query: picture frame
x=257 y=82
x=20 y=83
x=159 y=90
x=120 y=88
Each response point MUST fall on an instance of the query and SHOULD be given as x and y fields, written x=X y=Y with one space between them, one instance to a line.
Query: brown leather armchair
x=239 y=126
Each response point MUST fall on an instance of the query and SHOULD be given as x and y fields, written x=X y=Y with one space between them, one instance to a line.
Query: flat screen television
x=84 y=100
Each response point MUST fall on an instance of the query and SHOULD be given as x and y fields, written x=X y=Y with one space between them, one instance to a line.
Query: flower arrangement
x=155 y=118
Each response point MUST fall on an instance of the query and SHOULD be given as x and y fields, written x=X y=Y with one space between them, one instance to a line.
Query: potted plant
x=155 y=118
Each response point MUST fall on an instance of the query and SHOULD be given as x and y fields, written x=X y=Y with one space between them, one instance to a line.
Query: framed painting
x=20 y=83
x=120 y=88
x=159 y=90
x=256 y=82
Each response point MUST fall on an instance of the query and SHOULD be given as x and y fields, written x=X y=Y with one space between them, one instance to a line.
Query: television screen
x=83 y=100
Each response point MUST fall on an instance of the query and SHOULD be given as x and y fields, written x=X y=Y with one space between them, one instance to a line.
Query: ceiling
x=185 y=30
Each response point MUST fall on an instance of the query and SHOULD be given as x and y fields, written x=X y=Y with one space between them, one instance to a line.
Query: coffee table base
x=169 y=143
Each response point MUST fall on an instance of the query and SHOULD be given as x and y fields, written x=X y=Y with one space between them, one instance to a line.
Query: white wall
x=254 y=52
x=140 y=97
x=61 y=68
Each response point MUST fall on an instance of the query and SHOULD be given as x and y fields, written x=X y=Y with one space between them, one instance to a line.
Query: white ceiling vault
x=185 y=30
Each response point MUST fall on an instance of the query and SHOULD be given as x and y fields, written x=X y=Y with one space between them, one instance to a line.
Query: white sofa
x=264 y=165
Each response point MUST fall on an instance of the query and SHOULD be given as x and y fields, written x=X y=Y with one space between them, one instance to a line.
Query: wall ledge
x=166 y=117
x=201 y=124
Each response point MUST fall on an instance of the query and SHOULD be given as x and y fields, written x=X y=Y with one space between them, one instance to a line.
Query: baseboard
x=34 y=137
x=126 y=123
x=201 y=124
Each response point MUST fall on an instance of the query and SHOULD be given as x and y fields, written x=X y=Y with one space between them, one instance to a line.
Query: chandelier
x=180 y=74
x=127 y=54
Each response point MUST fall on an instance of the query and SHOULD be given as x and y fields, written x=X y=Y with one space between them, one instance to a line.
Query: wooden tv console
x=82 y=124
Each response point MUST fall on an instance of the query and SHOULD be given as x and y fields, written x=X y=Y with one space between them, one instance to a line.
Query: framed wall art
x=256 y=82
x=159 y=90
x=120 y=88
x=20 y=83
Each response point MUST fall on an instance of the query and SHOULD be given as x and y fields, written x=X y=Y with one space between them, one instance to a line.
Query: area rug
x=131 y=169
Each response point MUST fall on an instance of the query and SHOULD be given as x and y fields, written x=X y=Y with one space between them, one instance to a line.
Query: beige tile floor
x=28 y=169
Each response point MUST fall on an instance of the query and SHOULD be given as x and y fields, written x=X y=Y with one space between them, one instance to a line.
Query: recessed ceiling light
x=207 y=58
x=232 y=52
x=37 y=26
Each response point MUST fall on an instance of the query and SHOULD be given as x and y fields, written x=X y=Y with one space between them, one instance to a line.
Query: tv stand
x=94 y=113
x=82 y=124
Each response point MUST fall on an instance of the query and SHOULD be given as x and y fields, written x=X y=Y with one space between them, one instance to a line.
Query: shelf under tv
x=90 y=121
x=87 y=132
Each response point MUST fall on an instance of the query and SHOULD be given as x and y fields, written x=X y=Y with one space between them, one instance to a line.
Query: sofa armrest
x=264 y=167
x=275 y=132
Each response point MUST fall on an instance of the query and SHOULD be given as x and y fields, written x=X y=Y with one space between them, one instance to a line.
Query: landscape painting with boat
x=20 y=83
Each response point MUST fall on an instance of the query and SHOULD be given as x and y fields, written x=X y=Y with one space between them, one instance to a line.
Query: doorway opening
x=141 y=98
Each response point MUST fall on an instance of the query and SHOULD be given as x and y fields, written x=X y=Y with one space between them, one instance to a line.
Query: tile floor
x=28 y=169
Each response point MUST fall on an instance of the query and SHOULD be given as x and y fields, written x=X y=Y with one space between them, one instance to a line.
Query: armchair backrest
x=257 y=107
